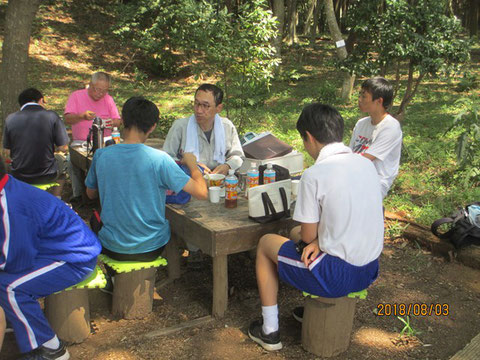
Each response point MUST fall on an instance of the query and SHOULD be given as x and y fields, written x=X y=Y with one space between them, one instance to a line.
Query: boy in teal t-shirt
x=131 y=180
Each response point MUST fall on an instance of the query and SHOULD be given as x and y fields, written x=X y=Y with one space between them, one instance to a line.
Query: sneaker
x=298 y=313
x=43 y=353
x=270 y=342
x=108 y=289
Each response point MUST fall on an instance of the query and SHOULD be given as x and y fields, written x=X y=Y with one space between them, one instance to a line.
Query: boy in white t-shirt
x=339 y=206
x=378 y=137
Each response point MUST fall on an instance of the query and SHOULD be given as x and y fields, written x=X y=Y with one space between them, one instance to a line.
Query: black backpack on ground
x=462 y=232
x=281 y=173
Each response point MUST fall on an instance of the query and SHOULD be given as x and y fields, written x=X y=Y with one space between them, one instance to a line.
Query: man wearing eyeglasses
x=213 y=139
x=82 y=107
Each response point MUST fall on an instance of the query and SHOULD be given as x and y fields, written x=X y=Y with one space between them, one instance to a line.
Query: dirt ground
x=408 y=275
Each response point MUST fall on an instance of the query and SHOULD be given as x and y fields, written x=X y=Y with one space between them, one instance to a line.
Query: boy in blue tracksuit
x=45 y=247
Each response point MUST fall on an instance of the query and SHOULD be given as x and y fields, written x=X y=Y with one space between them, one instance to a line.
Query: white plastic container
x=292 y=161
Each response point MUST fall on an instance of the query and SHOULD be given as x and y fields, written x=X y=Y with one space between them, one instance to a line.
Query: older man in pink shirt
x=82 y=107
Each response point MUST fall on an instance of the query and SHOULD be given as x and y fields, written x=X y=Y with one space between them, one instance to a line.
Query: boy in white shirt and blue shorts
x=339 y=206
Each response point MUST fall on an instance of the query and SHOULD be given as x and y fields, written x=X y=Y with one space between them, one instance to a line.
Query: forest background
x=272 y=58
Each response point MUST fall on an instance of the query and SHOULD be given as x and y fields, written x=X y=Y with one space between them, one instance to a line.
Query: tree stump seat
x=327 y=323
x=68 y=311
x=134 y=286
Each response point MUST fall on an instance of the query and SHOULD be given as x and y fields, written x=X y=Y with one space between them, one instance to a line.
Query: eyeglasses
x=99 y=90
x=203 y=106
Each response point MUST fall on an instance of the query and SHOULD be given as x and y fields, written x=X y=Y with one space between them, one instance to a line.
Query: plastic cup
x=215 y=179
x=295 y=187
x=214 y=194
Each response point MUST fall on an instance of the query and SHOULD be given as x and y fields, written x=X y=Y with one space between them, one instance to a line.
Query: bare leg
x=3 y=326
x=266 y=267
x=295 y=234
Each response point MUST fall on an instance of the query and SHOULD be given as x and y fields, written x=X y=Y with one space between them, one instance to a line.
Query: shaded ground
x=409 y=275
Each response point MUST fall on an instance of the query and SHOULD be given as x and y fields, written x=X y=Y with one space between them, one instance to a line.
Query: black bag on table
x=281 y=173
x=462 y=232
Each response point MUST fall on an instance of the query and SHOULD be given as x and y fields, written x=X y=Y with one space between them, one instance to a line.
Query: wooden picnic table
x=216 y=230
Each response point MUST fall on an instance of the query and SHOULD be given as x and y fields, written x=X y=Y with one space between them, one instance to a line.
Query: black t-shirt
x=31 y=135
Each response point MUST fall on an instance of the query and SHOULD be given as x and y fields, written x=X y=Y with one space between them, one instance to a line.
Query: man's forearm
x=72 y=119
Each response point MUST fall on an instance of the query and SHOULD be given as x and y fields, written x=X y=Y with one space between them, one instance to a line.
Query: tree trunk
x=348 y=80
x=279 y=13
x=14 y=68
x=473 y=10
x=307 y=27
x=412 y=87
x=292 y=23
x=316 y=17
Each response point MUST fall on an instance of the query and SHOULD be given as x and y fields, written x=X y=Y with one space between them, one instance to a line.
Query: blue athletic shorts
x=327 y=275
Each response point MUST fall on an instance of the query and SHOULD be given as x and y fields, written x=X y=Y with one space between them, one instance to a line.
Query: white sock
x=270 y=319
x=53 y=343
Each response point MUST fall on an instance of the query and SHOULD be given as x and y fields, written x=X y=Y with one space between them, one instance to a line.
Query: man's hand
x=310 y=252
x=206 y=169
x=88 y=115
x=221 y=169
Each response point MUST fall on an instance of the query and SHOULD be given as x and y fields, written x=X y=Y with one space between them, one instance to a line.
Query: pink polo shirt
x=79 y=102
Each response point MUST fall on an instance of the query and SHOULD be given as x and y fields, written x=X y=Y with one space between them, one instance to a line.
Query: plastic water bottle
x=269 y=174
x=231 y=194
x=116 y=135
x=252 y=177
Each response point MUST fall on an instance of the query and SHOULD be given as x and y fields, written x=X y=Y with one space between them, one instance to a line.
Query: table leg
x=173 y=258
x=220 y=285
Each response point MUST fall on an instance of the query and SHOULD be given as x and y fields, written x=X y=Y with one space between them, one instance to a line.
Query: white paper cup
x=295 y=187
x=214 y=194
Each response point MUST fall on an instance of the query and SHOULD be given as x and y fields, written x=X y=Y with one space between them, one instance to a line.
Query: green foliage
x=237 y=48
x=418 y=33
x=467 y=123
x=240 y=51
x=408 y=329
x=155 y=29
x=468 y=82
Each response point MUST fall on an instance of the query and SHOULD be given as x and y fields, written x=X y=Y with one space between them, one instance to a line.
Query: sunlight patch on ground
x=375 y=338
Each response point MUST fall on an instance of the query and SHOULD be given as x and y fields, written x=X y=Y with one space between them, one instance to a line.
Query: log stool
x=327 y=323
x=68 y=311
x=133 y=287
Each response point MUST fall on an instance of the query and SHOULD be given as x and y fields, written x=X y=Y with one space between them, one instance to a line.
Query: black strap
x=267 y=204
x=283 y=195
x=436 y=224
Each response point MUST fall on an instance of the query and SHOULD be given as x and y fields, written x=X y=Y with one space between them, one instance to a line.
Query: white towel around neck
x=191 y=143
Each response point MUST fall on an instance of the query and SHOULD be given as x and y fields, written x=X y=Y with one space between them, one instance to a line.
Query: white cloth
x=384 y=141
x=192 y=146
x=175 y=143
x=341 y=192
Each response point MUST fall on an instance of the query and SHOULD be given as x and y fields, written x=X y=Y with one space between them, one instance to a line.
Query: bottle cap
x=253 y=164
x=115 y=129
x=231 y=171
x=269 y=165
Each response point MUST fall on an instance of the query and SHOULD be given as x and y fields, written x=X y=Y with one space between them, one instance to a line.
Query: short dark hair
x=379 y=87
x=214 y=89
x=140 y=113
x=324 y=122
x=29 y=95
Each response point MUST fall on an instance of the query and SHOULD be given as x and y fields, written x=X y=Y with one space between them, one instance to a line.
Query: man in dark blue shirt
x=31 y=136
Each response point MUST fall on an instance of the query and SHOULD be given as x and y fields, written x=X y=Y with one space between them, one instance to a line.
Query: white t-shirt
x=384 y=141
x=341 y=192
